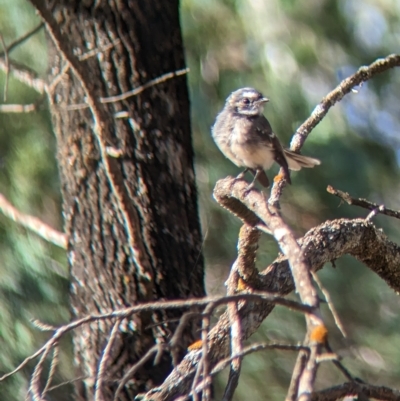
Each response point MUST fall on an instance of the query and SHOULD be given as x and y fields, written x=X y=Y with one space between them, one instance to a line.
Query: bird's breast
x=249 y=148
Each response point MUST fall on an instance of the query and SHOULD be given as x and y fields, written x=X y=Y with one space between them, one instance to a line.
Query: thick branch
x=354 y=388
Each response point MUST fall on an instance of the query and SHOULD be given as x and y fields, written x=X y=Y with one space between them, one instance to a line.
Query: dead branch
x=321 y=245
x=18 y=108
x=210 y=302
x=356 y=389
x=33 y=224
x=364 y=203
x=362 y=75
x=7 y=70
x=98 y=386
x=330 y=304
x=149 y=84
x=228 y=189
x=24 y=75
x=15 y=43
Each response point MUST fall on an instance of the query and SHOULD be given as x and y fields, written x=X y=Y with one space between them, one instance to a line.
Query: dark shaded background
x=295 y=52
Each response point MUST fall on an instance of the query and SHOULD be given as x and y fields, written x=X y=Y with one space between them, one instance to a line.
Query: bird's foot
x=249 y=188
x=241 y=175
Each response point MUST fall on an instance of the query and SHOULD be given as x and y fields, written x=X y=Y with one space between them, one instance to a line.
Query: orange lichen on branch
x=279 y=177
x=241 y=285
x=319 y=334
x=196 y=345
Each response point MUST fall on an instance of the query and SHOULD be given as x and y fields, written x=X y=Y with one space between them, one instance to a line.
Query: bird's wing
x=269 y=139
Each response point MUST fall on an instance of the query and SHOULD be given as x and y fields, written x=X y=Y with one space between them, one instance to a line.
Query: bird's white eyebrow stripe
x=250 y=94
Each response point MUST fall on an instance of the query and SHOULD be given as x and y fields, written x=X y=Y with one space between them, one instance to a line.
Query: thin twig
x=155 y=349
x=244 y=269
x=34 y=384
x=330 y=303
x=298 y=369
x=134 y=92
x=53 y=366
x=57 y=79
x=24 y=75
x=14 y=44
x=18 y=108
x=56 y=386
x=203 y=367
x=141 y=88
x=159 y=305
x=175 y=341
x=362 y=75
x=5 y=52
x=364 y=203
x=246 y=351
x=33 y=224
x=338 y=364
x=98 y=386
x=96 y=51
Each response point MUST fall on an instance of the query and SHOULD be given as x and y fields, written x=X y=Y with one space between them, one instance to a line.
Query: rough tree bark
x=126 y=167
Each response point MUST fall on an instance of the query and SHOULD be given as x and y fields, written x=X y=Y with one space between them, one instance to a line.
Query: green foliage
x=295 y=52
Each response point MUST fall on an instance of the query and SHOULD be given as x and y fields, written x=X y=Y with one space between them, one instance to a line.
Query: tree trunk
x=129 y=195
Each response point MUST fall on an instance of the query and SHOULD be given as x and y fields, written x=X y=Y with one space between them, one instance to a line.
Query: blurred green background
x=295 y=52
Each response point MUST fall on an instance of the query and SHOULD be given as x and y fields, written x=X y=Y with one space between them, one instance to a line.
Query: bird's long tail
x=296 y=161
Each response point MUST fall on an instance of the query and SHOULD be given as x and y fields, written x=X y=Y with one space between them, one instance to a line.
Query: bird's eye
x=246 y=100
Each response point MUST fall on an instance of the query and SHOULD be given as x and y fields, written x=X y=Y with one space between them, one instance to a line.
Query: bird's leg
x=241 y=175
x=253 y=183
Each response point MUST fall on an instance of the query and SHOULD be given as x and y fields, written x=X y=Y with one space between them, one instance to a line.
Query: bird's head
x=247 y=102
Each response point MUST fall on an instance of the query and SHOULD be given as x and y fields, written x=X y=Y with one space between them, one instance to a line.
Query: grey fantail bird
x=245 y=137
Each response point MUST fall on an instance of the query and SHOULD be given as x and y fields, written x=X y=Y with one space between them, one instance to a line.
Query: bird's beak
x=264 y=100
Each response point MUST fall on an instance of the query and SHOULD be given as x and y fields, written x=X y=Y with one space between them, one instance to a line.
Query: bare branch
x=53 y=366
x=246 y=351
x=227 y=190
x=98 y=386
x=243 y=270
x=356 y=389
x=154 y=350
x=233 y=379
x=362 y=75
x=7 y=61
x=33 y=224
x=134 y=92
x=18 y=108
x=298 y=369
x=141 y=88
x=14 y=44
x=96 y=51
x=366 y=204
x=211 y=302
x=24 y=75
x=321 y=245
x=330 y=303
x=339 y=365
